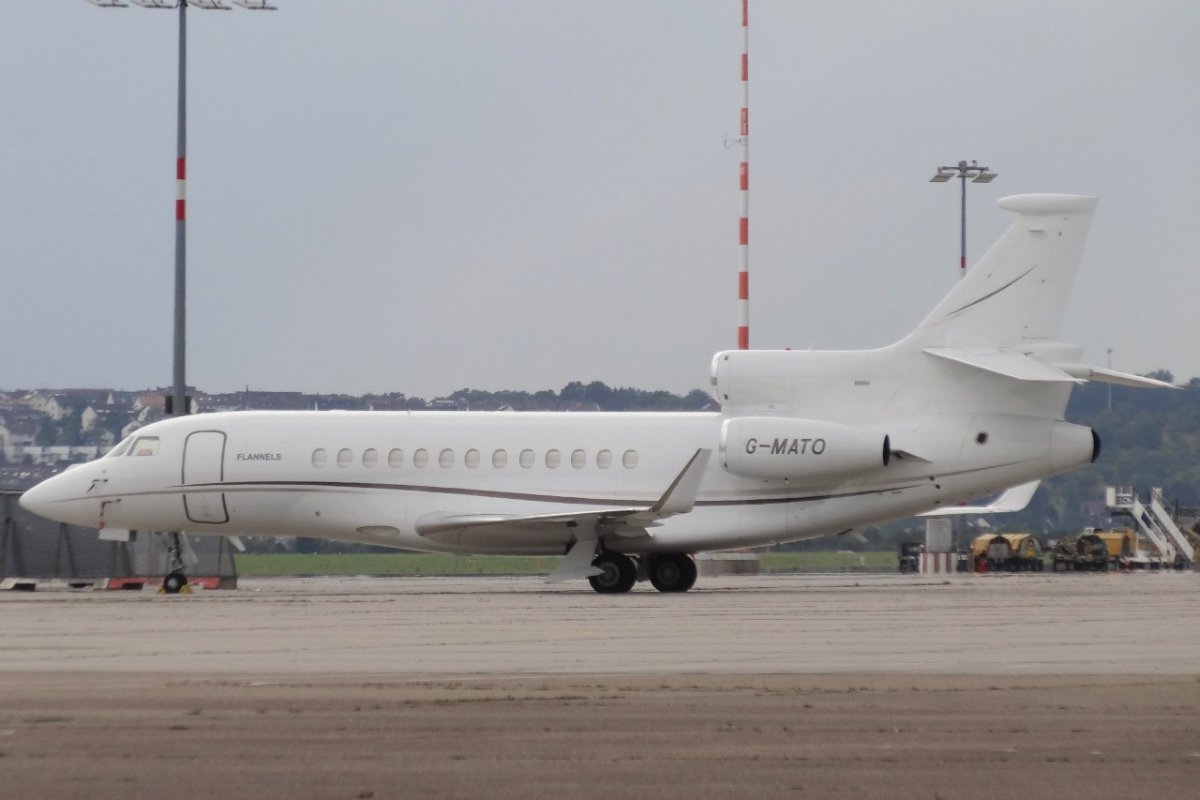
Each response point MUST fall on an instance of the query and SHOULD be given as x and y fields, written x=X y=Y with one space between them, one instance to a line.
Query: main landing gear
x=674 y=572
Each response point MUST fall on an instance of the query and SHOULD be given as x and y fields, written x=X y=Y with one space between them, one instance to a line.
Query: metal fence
x=37 y=549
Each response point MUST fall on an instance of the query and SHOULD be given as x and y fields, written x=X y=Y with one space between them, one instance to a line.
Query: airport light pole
x=963 y=171
x=179 y=399
x=977 y=174
x=1109 y=351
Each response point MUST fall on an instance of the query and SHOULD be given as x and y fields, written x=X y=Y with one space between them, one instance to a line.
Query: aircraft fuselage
x=376 y=477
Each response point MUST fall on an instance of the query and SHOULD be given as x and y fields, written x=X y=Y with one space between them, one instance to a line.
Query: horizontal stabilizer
x=1008 y=363
x=1101 y=375
x=1014 y=499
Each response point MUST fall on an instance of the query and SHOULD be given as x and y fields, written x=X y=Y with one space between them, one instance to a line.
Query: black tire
x=673 y=573
x=619 y=575
x=174 y=583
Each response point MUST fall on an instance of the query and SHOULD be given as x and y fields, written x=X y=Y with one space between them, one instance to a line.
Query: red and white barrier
x=938 y=563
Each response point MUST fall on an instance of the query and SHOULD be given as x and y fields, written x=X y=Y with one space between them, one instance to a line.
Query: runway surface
x=1081 y=686
x=1012 y=624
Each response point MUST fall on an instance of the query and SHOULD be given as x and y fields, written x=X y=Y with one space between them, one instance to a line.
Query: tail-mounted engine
x=810 y=451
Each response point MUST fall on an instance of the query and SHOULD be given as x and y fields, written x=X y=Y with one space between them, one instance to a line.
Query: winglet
x=680 y=496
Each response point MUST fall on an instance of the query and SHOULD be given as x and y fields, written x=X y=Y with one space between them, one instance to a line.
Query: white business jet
x=808 y=443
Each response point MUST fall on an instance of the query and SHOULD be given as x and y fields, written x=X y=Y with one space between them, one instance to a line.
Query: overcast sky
x=423 y=196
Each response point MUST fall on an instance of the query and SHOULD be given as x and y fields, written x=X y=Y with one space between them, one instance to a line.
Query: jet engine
x=781 y=448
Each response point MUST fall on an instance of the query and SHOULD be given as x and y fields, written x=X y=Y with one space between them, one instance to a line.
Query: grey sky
x=422 y=196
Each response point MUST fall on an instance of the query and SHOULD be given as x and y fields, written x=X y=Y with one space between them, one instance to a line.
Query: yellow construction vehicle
x=1121 y=544
x=1007 y=552
x=1087 y=551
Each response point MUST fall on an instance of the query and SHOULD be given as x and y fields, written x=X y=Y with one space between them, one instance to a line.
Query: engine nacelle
x=811 y=451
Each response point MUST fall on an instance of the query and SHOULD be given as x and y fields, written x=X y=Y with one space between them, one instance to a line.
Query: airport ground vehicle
x=1121 y=544
x=1086 y=551
x=1007 y=552
x=910 y=557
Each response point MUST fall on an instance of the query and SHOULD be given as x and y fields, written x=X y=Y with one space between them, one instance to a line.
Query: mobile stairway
x=1169 y=546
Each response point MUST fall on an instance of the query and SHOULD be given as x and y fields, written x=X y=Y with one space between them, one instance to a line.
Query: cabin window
x=120 y=448
x=604 y=459
x=446 y=458
x=320 y=457
x=421 y=458
x=345 y=457
x=144 y=446
x=526 y=458
x=553 y=459
x=395 y=458
x=471 y=459
x=578 y=459
x=630 y=459
x=500 y=459
x=371 y=458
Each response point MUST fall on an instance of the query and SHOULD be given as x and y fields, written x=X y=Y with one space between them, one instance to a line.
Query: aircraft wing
x=1014 y=499
x=451 y=528
x=482 y=530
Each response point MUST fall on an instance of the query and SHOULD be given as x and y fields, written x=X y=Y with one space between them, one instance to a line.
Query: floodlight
x=977 y=174
x=179 y=389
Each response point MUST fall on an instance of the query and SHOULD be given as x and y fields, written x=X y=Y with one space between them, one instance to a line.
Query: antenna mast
x=743 y=333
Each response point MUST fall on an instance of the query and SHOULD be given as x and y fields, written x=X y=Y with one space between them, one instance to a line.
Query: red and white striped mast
x=743 y=332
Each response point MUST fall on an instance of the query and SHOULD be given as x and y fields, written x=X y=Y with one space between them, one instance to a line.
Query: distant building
x=447 y=404
x=46 y=404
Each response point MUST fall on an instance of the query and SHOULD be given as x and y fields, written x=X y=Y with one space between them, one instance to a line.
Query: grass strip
x=415 y=564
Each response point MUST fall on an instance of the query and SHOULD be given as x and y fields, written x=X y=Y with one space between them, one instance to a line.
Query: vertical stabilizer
x=1019 y=289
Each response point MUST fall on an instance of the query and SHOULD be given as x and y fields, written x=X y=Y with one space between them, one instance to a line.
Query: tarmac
x=748 y=686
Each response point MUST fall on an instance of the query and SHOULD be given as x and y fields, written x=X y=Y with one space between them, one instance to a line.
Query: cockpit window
x=145 y=446
x=120 y=449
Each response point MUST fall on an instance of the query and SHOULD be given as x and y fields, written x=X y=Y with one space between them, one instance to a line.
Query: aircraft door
x=204 y=466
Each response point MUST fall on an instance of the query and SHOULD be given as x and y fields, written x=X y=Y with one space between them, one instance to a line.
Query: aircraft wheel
x=619 y=575
x=174 y=583
x=673 y=573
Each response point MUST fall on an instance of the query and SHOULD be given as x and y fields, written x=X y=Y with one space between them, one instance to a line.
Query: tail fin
x=1019 y=289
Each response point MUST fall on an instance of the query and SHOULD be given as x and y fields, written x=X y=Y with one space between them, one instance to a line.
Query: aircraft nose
x=37 y=500
x=52 y=499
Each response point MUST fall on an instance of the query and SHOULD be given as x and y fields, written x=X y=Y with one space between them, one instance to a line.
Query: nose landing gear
x=175 y=582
